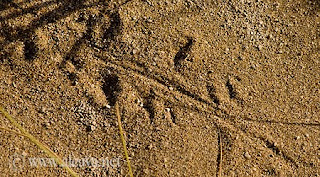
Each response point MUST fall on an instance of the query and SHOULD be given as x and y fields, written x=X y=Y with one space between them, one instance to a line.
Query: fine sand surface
x=197 y=81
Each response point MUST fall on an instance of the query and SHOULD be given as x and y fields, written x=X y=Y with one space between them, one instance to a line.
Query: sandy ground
x=192 y=78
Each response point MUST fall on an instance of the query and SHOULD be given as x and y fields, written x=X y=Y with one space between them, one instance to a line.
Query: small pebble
x=134 y=51
x=24 y=154
x=259 y=47
x=247 y=155
x=46 y=124
x=227 y=50
x=42 y=110
x=91 y=128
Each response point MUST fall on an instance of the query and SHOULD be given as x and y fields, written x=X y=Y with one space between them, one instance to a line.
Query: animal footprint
x=111 y=88
x=229 y=92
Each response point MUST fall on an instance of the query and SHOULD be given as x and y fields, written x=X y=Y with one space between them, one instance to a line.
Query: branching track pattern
x=194 y=102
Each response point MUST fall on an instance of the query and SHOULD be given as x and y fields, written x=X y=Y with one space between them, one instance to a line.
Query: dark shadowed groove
x=231 y=90
x=111 y=87
x=183 y=53
x=148 y=105
x=30 y=50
